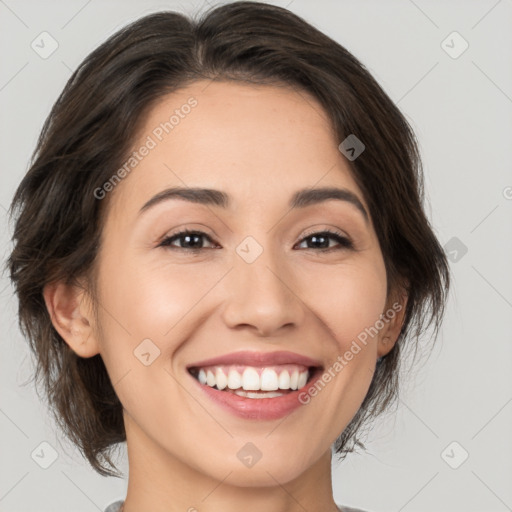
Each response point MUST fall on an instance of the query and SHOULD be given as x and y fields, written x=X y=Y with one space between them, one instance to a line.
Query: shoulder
x=114 y=507
x=344 y=508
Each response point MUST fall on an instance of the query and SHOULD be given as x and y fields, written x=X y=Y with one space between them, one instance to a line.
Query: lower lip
x=259 y=408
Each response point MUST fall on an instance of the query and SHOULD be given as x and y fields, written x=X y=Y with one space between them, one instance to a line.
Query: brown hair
x=91 y=128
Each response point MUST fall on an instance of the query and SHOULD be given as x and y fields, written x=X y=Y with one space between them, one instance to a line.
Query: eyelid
x=315 y=229
x=203 y=229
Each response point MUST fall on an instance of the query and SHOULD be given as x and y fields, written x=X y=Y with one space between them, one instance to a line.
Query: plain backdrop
x=448 y=446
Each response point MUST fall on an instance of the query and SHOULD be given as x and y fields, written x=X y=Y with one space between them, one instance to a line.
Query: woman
x=221 y=255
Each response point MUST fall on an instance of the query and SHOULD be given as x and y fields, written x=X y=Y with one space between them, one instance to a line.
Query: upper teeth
x=254 y=379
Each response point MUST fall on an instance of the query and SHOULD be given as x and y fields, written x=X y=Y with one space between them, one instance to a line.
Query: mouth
x=254 y=382
x=256 y=385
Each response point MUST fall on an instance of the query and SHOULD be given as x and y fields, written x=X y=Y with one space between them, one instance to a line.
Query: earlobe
x=395 y=314
x=67 y=307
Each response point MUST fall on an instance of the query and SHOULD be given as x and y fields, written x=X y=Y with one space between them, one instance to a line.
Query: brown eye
x=188 y=240
x=321 y=241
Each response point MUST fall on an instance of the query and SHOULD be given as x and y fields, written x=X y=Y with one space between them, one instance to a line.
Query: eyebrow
x=212 y=197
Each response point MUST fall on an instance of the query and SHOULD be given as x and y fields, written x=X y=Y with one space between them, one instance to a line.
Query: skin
x=259 y=144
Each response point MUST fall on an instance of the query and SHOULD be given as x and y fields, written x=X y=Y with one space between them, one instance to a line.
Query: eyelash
x=343 y=241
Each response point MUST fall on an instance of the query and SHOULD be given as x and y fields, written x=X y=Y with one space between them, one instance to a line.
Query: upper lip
x=252 y=358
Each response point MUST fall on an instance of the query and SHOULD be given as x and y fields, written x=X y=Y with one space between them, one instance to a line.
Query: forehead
x=258 y=143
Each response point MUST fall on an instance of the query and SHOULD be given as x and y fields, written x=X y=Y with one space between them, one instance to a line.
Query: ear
x=71 y=314
x=393 y=318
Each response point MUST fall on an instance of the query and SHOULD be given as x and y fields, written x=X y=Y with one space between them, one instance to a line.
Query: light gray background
x=461 y=111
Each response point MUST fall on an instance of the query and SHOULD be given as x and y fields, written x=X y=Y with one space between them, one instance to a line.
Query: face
x=259 y=286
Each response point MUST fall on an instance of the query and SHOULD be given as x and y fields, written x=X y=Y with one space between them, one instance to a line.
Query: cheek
x=155 y=300
x=347 y=299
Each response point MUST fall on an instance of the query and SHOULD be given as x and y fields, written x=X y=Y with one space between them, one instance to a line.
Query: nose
x=260 y=296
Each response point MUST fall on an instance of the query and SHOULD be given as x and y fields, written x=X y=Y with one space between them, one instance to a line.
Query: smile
x=256 y=385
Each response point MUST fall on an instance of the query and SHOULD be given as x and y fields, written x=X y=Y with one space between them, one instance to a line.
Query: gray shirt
x=116 y=506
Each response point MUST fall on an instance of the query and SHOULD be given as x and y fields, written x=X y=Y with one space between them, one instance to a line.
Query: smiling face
x=259 y=274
